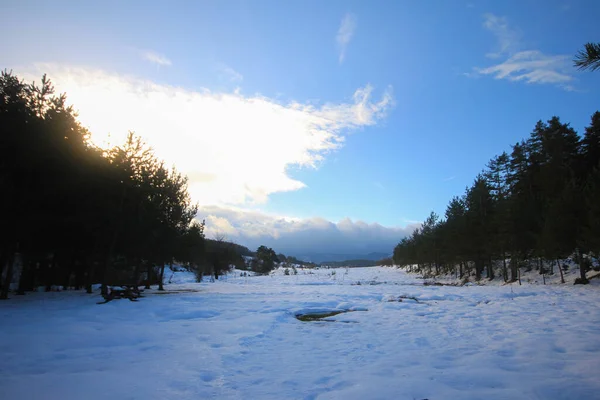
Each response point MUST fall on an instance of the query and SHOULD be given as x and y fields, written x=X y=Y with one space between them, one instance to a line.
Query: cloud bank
x=234 y=148
x=301 y=237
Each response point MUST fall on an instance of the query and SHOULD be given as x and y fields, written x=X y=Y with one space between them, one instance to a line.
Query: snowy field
x=239 y=339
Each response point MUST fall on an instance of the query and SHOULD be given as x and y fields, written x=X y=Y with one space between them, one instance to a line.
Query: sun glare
x=234 y=149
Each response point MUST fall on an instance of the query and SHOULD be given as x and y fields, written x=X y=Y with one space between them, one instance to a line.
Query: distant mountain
x=333 y=257
x=376 y=256
x=349 y=263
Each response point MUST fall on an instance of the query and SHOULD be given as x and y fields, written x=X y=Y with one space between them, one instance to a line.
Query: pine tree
x=479 y=216
x=497 y=176
x=266 y=259
x=590 y=146
x=455 y=231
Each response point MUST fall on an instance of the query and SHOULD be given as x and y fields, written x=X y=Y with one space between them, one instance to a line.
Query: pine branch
x=588 y=58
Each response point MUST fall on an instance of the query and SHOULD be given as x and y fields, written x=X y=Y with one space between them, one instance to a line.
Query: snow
x=239 y=339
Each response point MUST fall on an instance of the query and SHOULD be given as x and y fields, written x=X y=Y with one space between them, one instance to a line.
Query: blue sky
x=409 y=99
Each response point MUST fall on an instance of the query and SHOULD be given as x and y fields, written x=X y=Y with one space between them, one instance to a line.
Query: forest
x=76 y=214
x=532 y=207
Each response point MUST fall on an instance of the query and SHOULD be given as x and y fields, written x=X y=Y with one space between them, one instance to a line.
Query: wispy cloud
x=529 y=66
x=345 y=33
x=507 y=38
x=156 y=58
x=231 y=74
x=223 y=141
x=448 y=179
x=532 y=66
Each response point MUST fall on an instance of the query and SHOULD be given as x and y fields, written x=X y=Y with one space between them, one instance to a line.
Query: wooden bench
x=131 y=292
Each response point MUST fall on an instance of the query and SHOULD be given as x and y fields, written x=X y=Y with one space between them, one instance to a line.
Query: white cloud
x=156 y=58
x=231 y=74
x=301 y=236
x=507 y=37
x=345 y=33
x=529 y=66
x=235 y=149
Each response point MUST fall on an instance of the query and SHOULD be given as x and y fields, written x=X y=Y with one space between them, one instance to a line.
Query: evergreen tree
x=479 y=217
x=266 y=259
x=497 y=176
x=590 y=145
x=455 y=233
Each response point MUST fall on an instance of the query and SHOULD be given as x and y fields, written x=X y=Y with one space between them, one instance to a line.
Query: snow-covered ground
x=239 y=339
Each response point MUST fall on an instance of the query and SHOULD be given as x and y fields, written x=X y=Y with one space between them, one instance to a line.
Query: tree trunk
x=478 y=269
x=33 y=276
x=79 y=274
x=148 y=274
x=581 y=267
x=2 y=265
x=562 y=278
x=542 y=269
x=104 y=287
x=69 y=271
x=461 y=270
x=8 y=276
x=107 y=262
x=162 y=275
x=504 y=269
x=89 y=267
x=49 y=273
x=113 y=243
x=136 y=271
x=490 y=269
x=514 y=269
x=24 y=275
x=90 y=270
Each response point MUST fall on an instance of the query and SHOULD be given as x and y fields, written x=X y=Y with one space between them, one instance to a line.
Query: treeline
x=75 y=214
x=530 y=208
x=296 y=261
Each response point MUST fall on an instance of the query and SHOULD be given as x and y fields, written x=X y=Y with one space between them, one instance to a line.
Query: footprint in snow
x=208 y=376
